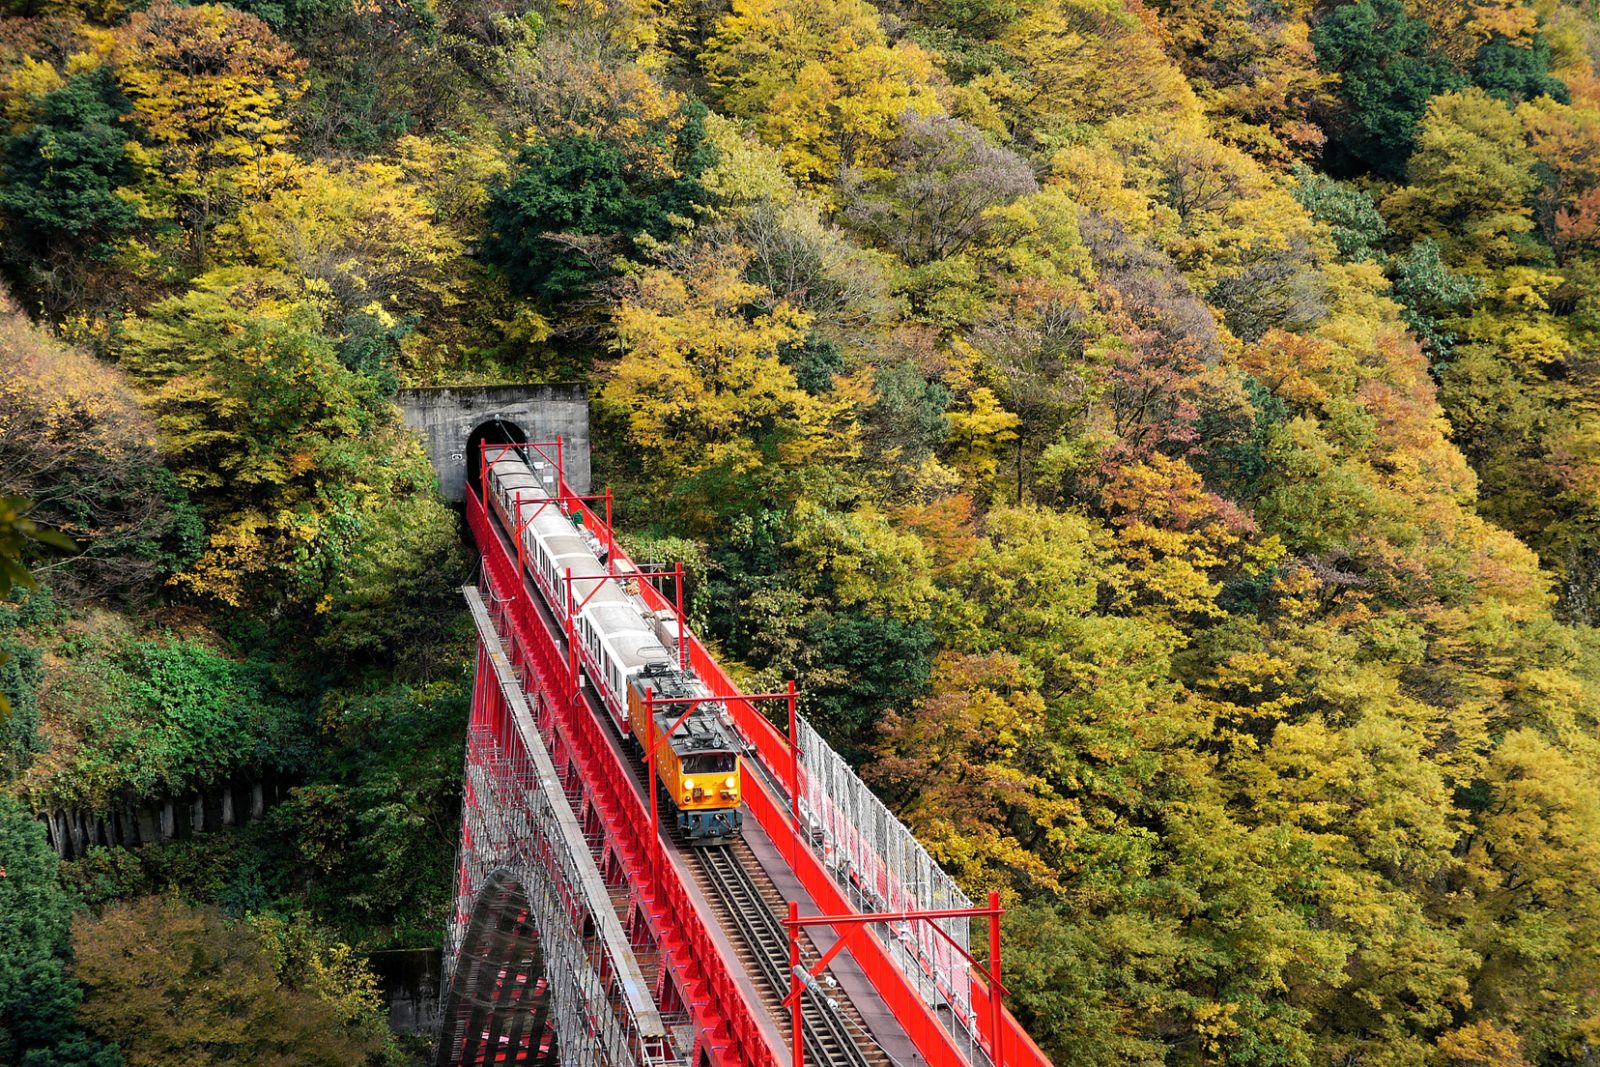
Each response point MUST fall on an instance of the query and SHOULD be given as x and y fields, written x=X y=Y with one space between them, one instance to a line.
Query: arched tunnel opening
x=493 y=432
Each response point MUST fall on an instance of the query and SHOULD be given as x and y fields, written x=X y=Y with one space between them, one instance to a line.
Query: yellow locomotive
x=698 y=766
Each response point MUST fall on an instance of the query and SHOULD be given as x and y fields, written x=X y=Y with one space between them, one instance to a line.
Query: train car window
x=707 y=762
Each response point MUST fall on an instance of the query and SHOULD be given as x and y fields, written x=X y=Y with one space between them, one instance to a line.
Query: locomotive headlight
x=730 y=781
x=688 y=783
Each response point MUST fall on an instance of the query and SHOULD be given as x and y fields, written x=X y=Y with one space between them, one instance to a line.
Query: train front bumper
x=710 y=825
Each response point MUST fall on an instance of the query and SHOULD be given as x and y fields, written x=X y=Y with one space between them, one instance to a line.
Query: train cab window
x=708 y=763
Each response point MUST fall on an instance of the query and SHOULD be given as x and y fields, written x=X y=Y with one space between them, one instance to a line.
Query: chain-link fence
x=882 y=867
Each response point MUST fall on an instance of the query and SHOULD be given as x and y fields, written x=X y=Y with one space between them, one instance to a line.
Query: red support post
x=516 y=525
x=794 y=982
x=611 y=538
x=650 y=759
x=794 y=776
x=996 y=1018
x=561 y=473
x=572 y=640
x=483 y=474
x=843 y=924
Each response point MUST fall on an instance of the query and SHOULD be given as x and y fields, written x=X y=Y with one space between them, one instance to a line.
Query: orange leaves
x=970 y=758
x=1176 y=538
x=1578 y=226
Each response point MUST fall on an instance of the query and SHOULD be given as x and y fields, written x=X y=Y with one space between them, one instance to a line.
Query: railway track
x=833 y=1036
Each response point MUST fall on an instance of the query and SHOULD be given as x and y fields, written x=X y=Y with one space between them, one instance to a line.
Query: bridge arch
x=497 y=1007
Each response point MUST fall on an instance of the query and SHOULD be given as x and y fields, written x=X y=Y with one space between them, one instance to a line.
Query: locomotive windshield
x=708 y=763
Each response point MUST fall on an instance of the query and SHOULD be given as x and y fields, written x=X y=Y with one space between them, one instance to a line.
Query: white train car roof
x=632 y=649
x=511 y=473
x=593 y=585
x=634 y=653
x=613 y=619
x=562 y=542
x=511 y=469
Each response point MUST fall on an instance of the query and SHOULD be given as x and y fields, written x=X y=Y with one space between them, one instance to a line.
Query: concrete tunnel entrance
x=454 y=422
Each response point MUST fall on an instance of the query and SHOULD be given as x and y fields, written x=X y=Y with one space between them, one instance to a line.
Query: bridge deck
x=854 y=985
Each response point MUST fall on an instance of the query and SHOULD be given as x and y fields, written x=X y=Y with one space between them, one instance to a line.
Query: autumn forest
x=1161 y=437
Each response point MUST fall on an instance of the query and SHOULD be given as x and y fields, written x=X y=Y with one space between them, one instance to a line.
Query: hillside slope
x=1158 y=439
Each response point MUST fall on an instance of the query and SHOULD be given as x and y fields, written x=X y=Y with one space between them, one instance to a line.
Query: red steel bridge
x=585 y=934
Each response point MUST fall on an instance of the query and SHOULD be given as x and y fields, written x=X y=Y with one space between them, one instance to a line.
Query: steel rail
x=827 y=1040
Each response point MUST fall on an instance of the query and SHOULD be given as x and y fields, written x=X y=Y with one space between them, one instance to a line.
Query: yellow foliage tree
x=210 y=88
x=820 y=80
x=707 y=400
x=359 y=233
x=1471 y=178
x=1083 y=61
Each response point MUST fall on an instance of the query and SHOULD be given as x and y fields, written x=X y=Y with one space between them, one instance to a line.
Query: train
x=623 y=648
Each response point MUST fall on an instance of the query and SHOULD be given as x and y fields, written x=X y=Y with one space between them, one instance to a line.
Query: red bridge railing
x=726 y=1023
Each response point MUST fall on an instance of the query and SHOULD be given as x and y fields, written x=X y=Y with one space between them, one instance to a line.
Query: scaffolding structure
x=537 y=966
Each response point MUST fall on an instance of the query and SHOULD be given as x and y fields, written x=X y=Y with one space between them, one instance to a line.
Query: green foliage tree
x=1387 y=75
x=18 y=532
x=1430 y=293
x=1358 y=227
x=574 y=202
x=145 y=719
x=1514 y=73
x=374 y=833
x=59 y=184
x=38 y=999
x=20 y=677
